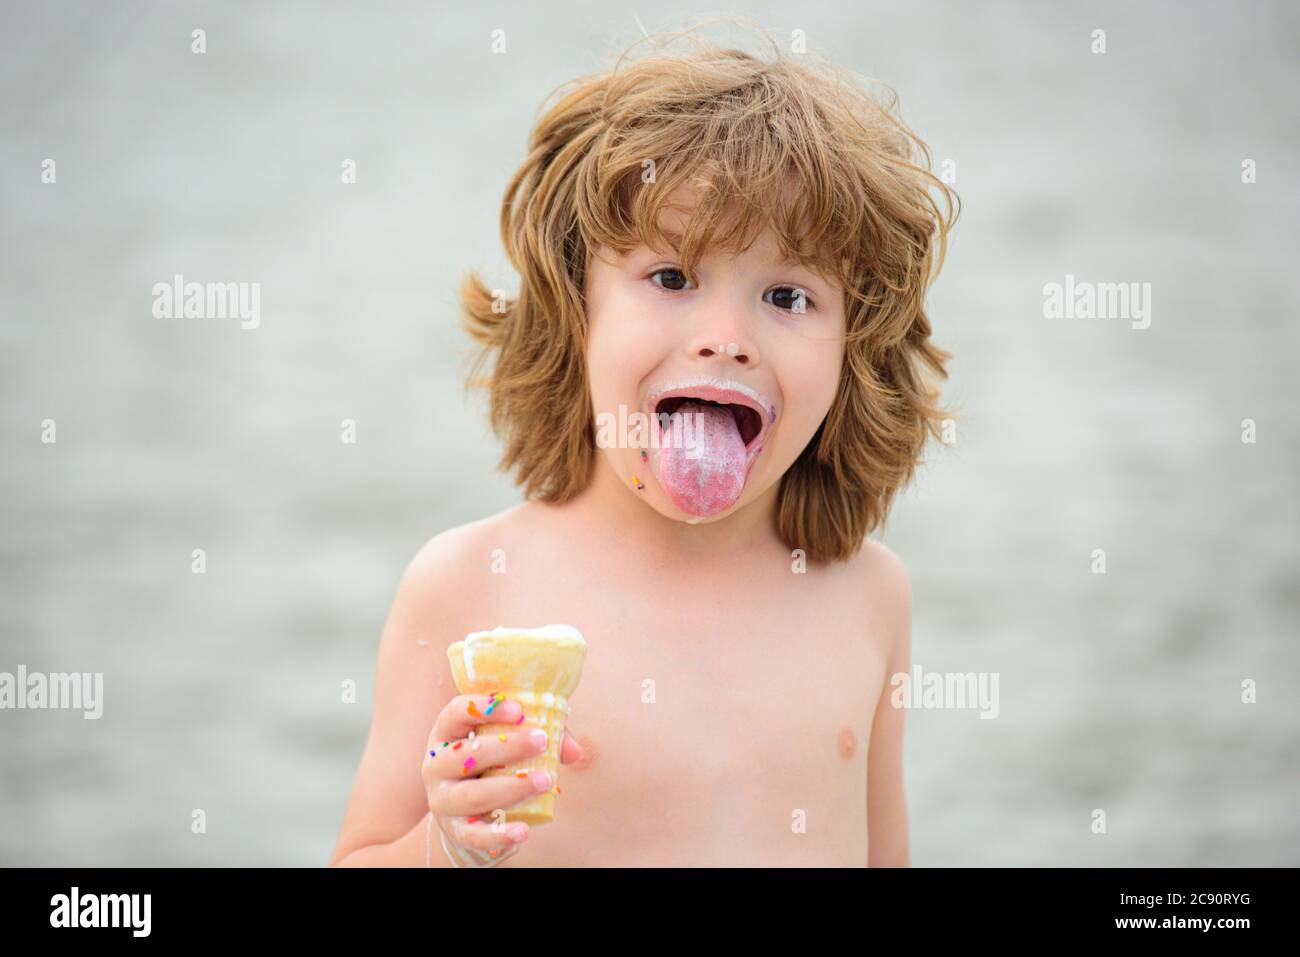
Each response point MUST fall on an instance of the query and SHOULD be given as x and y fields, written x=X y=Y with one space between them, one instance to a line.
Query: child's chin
x=702 y=520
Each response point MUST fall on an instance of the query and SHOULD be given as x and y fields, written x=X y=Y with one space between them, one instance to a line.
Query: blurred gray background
x=1118 y=691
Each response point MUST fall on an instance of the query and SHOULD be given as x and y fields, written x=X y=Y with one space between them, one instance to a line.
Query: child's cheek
x=620 y=353
x=809 y=377
x=625 y=344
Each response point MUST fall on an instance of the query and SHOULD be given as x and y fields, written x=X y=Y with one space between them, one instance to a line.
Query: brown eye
x=674 y=280
x=790 y=298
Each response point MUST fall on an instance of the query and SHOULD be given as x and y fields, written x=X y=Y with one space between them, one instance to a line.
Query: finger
x=470 y=757
x=466 y=712
x=570 y=751
x=482 y=796
x=483 y=834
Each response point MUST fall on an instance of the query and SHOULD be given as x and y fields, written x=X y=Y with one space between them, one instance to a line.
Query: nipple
x=848 y=742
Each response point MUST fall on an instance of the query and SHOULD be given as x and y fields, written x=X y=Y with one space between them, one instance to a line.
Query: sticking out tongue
x=702 y=460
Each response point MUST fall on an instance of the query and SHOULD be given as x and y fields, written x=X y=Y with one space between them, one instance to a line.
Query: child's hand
x=462 y=803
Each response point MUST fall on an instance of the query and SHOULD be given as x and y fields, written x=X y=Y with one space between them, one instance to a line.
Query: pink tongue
x=702 y=461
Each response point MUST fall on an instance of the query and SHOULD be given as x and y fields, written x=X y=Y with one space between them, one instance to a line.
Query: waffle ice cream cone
x=539 y=668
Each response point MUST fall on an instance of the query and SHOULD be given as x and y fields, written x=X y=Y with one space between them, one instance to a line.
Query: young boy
x=711 y=385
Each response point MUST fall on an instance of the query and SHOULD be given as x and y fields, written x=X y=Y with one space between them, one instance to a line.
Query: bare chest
x=720 y=726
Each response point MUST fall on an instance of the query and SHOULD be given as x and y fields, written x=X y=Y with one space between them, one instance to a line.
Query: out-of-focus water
x=1119 y=691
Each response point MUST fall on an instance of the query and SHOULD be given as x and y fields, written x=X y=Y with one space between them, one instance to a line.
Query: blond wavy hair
x=738 y=130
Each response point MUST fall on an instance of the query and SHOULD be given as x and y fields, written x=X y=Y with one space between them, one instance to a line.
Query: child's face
x=761 y=336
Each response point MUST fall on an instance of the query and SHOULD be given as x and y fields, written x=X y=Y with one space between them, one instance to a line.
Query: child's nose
x=742 y=351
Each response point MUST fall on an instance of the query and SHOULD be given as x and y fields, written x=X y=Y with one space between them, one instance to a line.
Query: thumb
x=569 y=750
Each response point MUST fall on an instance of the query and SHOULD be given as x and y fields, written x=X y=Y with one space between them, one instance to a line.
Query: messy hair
x=737 y=130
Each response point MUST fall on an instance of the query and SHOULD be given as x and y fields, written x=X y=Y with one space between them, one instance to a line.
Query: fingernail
x=539 y=739
x=518 y=833
x=512 y=709
x=541 y=780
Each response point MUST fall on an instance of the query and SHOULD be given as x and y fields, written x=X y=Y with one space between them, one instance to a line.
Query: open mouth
x=749 y=423
x=753 y=414
x=710 y=432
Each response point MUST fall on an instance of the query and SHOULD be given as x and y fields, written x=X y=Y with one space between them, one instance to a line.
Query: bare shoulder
x=440 y=587
x=883 y=571
x=887 y=591
x=452 y=557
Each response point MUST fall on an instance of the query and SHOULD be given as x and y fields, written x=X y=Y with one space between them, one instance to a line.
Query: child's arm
x=386 y=819
x=886 y=801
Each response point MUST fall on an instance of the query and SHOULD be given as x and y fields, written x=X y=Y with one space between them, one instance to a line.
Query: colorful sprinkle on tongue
x=702 y=462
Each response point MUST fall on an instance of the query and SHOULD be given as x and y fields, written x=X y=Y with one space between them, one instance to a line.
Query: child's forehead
x=764 y=244
x=676 y=211
x=697 y=214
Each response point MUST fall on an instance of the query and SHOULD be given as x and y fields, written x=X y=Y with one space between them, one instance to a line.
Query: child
x=711 y=385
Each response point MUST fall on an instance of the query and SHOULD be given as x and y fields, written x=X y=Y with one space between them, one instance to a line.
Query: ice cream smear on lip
x=703 y=461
